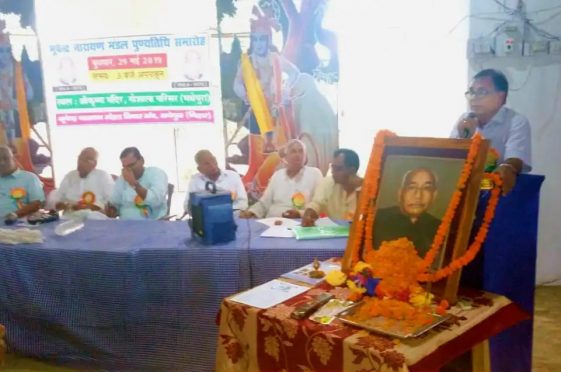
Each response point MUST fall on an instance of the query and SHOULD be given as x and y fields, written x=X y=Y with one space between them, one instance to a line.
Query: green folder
x=320 y=232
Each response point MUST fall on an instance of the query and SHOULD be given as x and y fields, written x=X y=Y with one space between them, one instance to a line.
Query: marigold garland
x=365 y=220
x=367 y=206
x=444 y=227
x=475 y=246
x=399 y=297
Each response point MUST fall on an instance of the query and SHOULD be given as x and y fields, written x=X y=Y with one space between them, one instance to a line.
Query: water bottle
x=68 y=227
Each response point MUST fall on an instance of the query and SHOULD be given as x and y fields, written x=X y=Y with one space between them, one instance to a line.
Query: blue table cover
x=144 y=295
x=135 y=295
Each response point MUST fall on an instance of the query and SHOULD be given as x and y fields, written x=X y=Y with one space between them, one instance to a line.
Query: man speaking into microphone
x=508 y=131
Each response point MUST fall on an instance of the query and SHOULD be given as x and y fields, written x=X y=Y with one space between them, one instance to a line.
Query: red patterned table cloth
x=252 y=339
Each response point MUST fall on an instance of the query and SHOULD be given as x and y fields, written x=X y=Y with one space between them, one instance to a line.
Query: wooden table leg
x=481 y=357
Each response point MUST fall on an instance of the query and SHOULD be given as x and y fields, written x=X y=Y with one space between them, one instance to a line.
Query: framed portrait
x=417 y=180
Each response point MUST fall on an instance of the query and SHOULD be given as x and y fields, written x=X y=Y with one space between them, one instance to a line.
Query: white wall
x=403 y=68
x=65 y=20
x=536 y=92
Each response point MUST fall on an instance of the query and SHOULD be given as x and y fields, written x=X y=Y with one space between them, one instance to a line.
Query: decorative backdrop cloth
x=135 y=295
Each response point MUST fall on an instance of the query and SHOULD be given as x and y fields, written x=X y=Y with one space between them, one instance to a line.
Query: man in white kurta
x=84 y=188
x=289 y=189
x=224 y=180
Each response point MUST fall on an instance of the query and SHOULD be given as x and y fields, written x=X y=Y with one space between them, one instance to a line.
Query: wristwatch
x=10 y=218
x=507 y=165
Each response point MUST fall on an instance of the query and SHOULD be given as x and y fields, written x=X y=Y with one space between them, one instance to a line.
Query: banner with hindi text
x=154 y=79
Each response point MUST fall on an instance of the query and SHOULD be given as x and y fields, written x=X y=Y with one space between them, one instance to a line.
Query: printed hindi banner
x=154 y=79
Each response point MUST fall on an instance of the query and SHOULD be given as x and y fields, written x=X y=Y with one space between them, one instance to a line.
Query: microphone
x=467 y=131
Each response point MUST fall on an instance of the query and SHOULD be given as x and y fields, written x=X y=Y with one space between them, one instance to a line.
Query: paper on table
x=325 y=221
x=286 y=222
x=277 y=232
x=269 y=294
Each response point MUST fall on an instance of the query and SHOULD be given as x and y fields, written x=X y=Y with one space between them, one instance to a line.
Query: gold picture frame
x=402 y=156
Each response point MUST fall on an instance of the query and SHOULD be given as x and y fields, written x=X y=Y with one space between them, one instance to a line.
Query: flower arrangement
x=389 y=279
x=88 y=198
x=298 y=200
x=18 y=194
x=393 y=273
x=139 y=203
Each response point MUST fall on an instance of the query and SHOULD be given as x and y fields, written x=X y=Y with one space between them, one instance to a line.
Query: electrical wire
x=542 y=32
x=507 y=9
x=545 y=20
x=521 y=86
x=474 y=16
x=544 y=9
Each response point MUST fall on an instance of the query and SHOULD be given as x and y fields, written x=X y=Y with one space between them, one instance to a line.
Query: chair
x=171 y=187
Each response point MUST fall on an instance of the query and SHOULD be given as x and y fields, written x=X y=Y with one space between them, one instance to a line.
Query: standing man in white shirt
x=290 y=188
x=84 y=188
x=508 y=131
x=225 y=180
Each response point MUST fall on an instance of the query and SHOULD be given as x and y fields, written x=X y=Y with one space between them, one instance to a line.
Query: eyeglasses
x=480 y=93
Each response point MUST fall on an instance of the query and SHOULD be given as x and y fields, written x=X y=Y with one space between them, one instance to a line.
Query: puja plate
x=389 y=327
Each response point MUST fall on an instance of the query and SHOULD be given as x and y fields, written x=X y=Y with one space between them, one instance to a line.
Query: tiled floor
x=547 y=330
x=547 y=338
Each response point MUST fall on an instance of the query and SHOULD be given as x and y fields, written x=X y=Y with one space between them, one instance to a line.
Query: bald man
x=410 y=218
x=21 y=192
x=84 y=188
x=290 y=188
x=225 y=180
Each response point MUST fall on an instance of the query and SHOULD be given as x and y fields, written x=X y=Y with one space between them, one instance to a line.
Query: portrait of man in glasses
x=410 y=217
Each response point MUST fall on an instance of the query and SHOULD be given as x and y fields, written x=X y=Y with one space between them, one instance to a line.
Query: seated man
x=225 y=180
x=20 y=191
x=140 y=192
x=337 y=195
x=84 y=188
x=410 y=218
x=290 y=188
x=508 y=131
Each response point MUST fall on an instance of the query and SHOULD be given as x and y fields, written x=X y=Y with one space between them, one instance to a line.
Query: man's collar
x=220 y=175
x=300 y=172
x=499 y=116
x=13 y=174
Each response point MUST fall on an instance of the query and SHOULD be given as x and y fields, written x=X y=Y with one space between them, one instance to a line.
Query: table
x=135 y=295
x=252 y=339
x=144 y=295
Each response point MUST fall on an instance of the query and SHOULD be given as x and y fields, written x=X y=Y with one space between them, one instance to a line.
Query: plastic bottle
x=68 y=227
